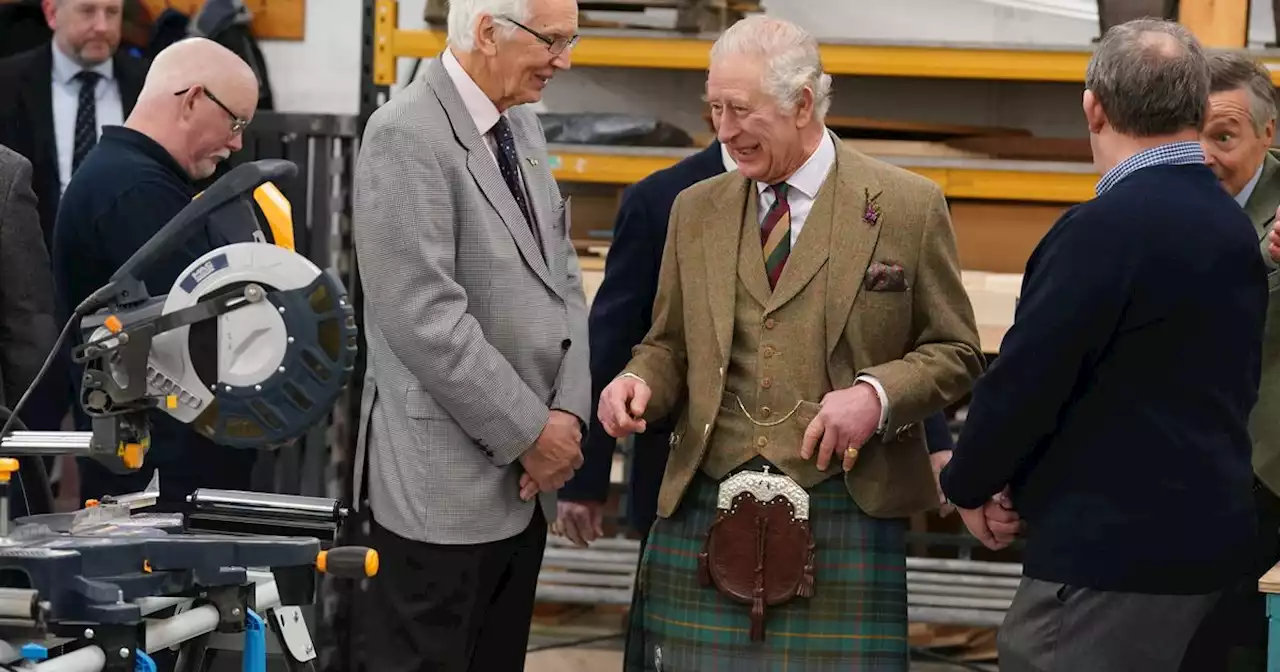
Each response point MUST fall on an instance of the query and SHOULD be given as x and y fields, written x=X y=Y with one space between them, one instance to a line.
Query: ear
x=804 y=108
x=486 y=35
x=188 y=105
x=1269 y=132
x=50 y=9
x=1093 y=112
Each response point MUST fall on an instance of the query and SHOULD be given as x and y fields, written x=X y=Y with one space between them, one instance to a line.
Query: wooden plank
x=272 y=19
x=1270 y=582
x=999 y=237
x=1221 y=24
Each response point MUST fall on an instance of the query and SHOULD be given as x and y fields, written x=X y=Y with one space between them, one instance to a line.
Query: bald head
x=197 y=98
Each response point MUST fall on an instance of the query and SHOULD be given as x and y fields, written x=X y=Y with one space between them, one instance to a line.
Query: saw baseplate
x=91 y=565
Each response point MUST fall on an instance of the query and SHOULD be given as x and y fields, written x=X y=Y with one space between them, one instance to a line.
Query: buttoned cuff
x=884 y=399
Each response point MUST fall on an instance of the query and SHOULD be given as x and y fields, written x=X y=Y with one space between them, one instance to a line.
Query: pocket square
x=885 y=277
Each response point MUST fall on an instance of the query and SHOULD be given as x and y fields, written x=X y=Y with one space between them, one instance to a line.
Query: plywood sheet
x=272 y=19
x=1000 y=236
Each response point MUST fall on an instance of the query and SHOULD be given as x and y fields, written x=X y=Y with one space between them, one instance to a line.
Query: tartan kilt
x=856 y=619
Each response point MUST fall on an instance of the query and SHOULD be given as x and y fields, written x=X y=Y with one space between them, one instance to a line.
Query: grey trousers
x=1052 y=627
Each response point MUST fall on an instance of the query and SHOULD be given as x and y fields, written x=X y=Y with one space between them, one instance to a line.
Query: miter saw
x=252 y=345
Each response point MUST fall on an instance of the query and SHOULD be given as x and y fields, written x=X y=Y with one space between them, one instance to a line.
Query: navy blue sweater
x=1117 y=410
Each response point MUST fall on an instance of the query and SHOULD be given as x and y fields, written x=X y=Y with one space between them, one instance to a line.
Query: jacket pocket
x=420 y=405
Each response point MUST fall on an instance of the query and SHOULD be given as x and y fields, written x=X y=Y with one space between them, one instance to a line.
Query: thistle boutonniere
x=871 y=212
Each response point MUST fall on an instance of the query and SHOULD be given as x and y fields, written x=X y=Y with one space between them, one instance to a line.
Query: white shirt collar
x=1243 y=197
x=729 y=164
x=809 y=177
x=65 y=69
x=482 y=110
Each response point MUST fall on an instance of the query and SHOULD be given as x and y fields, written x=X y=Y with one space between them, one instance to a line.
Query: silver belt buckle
x=764 y=487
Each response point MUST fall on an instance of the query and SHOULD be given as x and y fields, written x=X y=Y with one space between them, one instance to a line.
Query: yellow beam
x=386 y=18
x=1216 y=23
x=682 y=53
x=956 y=182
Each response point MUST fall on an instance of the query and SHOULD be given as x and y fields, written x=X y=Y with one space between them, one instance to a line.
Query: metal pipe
x=552 y=555
x=47 y=443
x=585 y=579
x=964 y=579
x=583 y=595
x=18 y=603
x=967 y=566
x=320 y=509
x=965 y=591
x=180 y=628
x=949 y=616
x=964 y=602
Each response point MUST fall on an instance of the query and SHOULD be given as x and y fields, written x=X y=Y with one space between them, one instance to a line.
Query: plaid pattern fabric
x=856 y=620
x=1174 y=153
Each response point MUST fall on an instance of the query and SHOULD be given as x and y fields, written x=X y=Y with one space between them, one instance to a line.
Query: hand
x=1273 y=239
x=940 y=460
x=996 y=524
x=848 y=418
x=528 y=487
x=579 y=522
x=622 y=403
x=555 y=455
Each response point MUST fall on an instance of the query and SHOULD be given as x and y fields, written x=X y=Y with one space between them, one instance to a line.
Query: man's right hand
x=1273 y=239
x=622 y=404
x=579 y=522
x=556 y=454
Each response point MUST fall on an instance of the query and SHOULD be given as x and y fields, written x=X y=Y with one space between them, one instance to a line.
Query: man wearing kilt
x=810 y=307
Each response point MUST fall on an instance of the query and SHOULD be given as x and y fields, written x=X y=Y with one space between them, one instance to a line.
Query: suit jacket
x=620 y=317
x=473 y=332
x=27 y=329
x=921 y=343
x=26 y=117
x=1263 y=428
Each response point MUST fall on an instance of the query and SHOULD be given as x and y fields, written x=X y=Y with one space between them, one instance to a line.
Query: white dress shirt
x=66 y=104
x=482 y=110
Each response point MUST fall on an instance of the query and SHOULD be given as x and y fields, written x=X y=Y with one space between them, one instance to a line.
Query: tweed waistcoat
x=777 y=364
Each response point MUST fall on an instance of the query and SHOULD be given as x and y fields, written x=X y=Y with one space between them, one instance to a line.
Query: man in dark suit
x=619 y=318
x=55 y=98
x=1116 y=419
x=54 y=101
x=27 y=330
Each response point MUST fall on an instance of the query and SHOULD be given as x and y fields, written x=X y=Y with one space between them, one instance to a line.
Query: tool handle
x=348 y=562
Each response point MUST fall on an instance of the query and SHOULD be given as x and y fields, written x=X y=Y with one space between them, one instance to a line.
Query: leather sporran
x=759 y=550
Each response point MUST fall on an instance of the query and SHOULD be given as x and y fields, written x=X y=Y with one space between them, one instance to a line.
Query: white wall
x=322 y=74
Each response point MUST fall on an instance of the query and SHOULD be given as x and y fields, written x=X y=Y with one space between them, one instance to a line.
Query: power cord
x=44 y=369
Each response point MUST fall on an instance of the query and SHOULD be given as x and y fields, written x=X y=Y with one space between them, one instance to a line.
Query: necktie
x=86 y=135
x=775 y=234
x=509 y=163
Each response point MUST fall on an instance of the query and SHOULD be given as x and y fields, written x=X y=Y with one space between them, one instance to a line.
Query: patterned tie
x=86 y=135
x=775 y=234
x=509 y=163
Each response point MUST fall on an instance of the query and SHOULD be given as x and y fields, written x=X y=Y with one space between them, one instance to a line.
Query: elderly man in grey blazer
x=478 y=384
x=27 y=329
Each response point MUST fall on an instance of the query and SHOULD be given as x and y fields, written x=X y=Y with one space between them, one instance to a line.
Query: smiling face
x=525 y=62
x=1233 y=148
x=767 y=142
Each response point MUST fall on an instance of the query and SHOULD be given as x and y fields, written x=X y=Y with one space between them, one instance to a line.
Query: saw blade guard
x=267 y=370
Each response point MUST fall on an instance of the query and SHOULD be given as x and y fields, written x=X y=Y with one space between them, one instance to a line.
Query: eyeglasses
x=556 y=45
x=237 y=123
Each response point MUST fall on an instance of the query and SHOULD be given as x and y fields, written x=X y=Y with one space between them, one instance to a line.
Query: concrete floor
x=601 y=660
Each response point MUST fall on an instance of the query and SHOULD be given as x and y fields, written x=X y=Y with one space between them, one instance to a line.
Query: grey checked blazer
x=473 y=332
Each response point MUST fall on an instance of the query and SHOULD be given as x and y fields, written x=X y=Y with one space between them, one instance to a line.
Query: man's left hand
x=939 y=460
x=848 y=418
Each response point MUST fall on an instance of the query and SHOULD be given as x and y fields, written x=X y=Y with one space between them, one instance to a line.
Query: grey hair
x=463 y=15
x=1229 y=71
x=791 y=57
x=1151 y=78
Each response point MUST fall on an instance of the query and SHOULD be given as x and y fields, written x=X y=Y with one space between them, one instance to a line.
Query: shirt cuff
x=884 y=399
x=628 y=374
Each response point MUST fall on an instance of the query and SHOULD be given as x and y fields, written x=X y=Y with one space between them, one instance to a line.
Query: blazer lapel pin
x=532 y=162
x=871 y=212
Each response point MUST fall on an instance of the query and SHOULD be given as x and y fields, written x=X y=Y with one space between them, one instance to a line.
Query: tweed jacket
x=1263 y=428
x=27 y=329
x=920 y=343
x=474 y=330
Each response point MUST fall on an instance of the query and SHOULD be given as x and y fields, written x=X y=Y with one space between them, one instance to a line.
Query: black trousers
x=1233 y=636
x=452 y=608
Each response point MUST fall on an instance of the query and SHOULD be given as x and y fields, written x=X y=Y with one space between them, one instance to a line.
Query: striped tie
x=775 y=234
